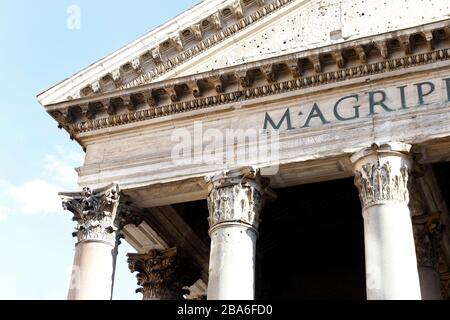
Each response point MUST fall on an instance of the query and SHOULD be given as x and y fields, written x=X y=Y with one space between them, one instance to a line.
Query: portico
x=184 y=154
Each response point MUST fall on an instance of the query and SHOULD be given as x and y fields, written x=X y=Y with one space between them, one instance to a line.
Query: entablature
x=335 y=65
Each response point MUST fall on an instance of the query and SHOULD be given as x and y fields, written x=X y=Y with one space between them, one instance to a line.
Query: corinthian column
x=428 y=236
x=99 y=221
x=162 y=274
x=381 y=176
x=234 y=203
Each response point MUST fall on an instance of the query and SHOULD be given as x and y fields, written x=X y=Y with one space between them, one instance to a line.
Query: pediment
x=218 y=34
x=174 y=43
x=305 y=25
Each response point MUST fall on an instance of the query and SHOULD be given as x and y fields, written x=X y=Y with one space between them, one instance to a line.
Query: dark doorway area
x=311 y=244
x=442 y=174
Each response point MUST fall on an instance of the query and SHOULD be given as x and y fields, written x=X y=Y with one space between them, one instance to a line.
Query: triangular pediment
x=304 y=25
x=216 y=34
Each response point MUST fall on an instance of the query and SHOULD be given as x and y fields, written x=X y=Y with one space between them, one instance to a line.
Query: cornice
x=332 y=64
x=218 y=37
x=153 y=55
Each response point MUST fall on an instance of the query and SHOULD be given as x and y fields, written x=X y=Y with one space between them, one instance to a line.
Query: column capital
x=383 y=149
x=162 y=274
x=236 y=197
x=381 y=173
x=94 y=211
x=99 y=213
x=127 y=214
x=245 y=176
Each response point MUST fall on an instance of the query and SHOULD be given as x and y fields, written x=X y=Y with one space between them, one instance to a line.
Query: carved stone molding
x=381 y=175
x=162 y=274
x=232 y=93
x=428 y=234
x=236 y=196
x=99 y=214
x=126 y=215
x=221 y=33
x=378 y=183
x=95 y=212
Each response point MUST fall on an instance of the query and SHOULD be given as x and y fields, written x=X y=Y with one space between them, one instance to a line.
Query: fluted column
x=99 y=218
x=234 y=203
x=162 y=274
x=381 y=176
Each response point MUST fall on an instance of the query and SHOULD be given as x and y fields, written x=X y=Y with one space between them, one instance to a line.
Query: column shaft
x=97 y=233
x=428 y=232
x=234 y=203
x=391 y=266
x=381 y=175
x=430 y=284
x=232 y=263
x=93 y=268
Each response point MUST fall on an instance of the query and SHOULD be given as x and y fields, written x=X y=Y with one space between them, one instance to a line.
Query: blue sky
x=36 y=161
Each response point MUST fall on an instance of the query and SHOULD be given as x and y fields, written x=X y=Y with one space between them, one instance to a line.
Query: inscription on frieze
x=391 y=100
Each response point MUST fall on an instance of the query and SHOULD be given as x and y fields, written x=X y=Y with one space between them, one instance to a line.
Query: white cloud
x=4 y=184
x=4 y=212
x=60 y=171
x=73 y=156
x=36 y=196
x=39 y=195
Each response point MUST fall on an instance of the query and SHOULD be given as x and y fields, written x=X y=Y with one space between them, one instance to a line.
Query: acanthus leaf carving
x=100 y=215
x=162 y=274
x=236 y=197
x=378 y=183
x=94 y=212
x=126 y=214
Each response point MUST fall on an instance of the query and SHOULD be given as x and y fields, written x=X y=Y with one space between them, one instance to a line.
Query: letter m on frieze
x=286 y=117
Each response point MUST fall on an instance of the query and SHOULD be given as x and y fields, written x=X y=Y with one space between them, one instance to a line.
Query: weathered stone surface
x=251 y=33
x=142 y=155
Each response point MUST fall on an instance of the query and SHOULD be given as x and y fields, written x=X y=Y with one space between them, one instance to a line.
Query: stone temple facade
x=271 y=149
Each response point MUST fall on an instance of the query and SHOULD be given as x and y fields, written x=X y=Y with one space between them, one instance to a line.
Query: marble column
x=99 y=219
x=445 y=285
x=234 y=203
x=381 y=176
x=162 y=274
x=428 y=236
